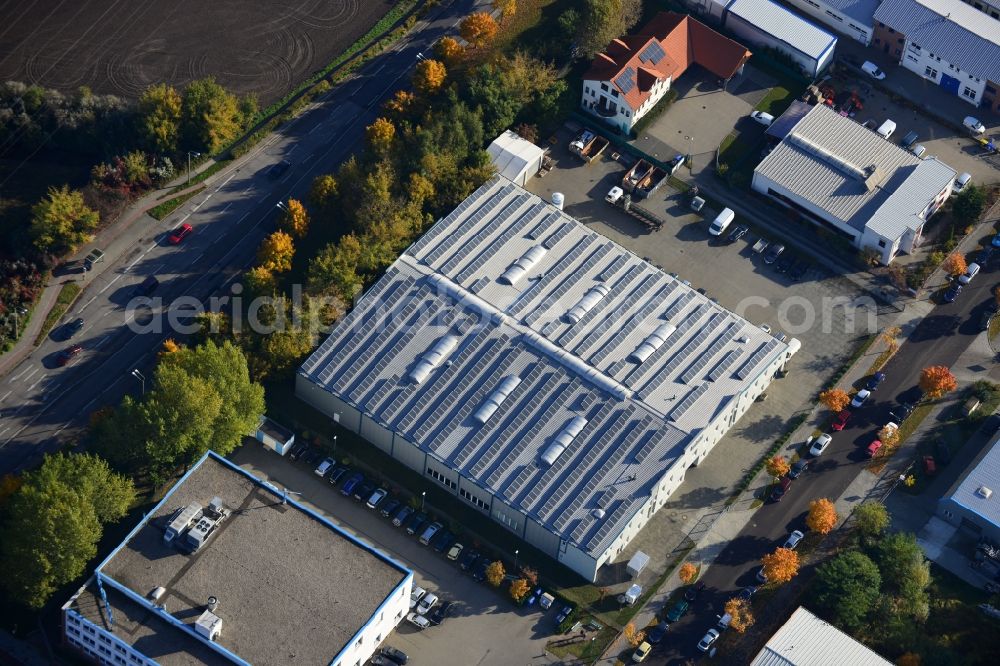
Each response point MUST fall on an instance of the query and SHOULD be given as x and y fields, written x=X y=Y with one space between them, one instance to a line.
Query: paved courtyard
x=704 y=114
x=485 y=628
x=740 y=281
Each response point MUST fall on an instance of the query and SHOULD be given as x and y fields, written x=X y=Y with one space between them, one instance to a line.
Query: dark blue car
x=876 y=379
x=351 y=483
x=953 y=291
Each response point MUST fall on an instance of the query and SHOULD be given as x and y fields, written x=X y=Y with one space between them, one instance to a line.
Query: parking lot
x=484 y=627
x=704 y=114
x=742 y=282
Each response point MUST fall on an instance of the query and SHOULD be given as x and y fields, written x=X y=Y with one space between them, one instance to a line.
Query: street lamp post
x=142 y=380
x=423 y=496
x=189 y=154
x=516 y=551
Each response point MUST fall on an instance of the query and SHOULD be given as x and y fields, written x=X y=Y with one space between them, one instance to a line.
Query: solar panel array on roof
x=755 y=360
x=688 y=401
x=626 y=80
x=652 y=53
x=484 y=376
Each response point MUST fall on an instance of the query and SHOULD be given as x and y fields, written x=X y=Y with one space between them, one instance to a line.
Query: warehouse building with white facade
x=270 y=581
x=846 y=178
x=540 y=372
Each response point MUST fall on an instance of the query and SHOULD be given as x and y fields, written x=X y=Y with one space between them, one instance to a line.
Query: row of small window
x=441 y=478
x=950 y=66
x=510 y=521
x=473 y=499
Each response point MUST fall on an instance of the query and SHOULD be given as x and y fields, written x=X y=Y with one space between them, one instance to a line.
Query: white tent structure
x=516 y=159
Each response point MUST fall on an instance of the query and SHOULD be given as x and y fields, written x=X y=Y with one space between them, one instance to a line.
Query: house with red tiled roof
x=635 y=72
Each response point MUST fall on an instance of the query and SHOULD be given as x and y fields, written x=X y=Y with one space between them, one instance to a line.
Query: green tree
x=905 y=572
x=211 y=117
x=62 y=220
x=54 y=521
x=604 y=20
x=159 y=117
x=136 y=167
x=335 y=269
x=969 y=204
x=871 y=519
x=847 y=587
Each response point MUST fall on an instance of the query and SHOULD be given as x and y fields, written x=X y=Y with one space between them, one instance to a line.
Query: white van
x=974 y=126
x=961 y=182
x=886 y=129
x=721 y=221
x=970 y=273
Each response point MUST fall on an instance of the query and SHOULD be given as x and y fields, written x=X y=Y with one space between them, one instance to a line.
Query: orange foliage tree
x=740 y=613
x=380 y=135
x=781 y=565
x=294 y=218
x=633 y=635
x=507 y=7
x=429 y=76
x=777 y=466
x=955 y=264
x=519 y=589
x=937 y=380
x=822 y=516
x=835 y=399
x=478 y=29
x=448 y=50
x=687 y=573
x=276 y=252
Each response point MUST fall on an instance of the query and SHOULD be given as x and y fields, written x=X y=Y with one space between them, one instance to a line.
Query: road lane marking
x=6 y=394
x=101 y=341
x=204 y=201
x=32 y=387
x=233 y=175
x=92 y=299
x=117 y=277
x=31 y=374
x=17 y=377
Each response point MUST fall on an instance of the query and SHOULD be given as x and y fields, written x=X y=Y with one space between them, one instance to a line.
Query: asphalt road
x=938 y=340
x=44 y=406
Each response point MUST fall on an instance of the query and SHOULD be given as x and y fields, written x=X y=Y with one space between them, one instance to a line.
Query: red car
x=930 y=467
x=840 y=420
x=67 y=355
x=180 y=233
x=874 y=447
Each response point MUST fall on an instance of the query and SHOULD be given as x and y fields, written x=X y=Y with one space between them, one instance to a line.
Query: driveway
x=485 y=629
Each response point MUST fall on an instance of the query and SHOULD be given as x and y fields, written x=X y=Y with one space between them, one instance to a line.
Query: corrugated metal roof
x=806 y=640
x=785 y=25
x=951 y=29
x=824 y=160
x=447 y=284
x=511 y=154
x=984 y=473
x=860 y=10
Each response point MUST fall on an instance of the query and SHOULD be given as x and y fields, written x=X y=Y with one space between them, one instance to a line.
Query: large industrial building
x=541 y=373
x=806 y=640
x=227 y=570
x=846 y=178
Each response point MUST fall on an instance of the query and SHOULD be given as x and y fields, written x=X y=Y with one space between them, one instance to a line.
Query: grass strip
x=169 y=206
x=201 y=175
x=68 y=294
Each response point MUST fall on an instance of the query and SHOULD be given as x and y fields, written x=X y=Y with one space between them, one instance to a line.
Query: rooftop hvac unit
x=209 y=625
x=558 y=200
x=984 y=492
x=522 y=265
x=563 y=439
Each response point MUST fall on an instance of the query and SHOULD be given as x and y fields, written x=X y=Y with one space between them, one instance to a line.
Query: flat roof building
x=273 y=583
x=540 y=372
x=806 y=640
x=848 y=179
x=972 y=501
x=854 y=18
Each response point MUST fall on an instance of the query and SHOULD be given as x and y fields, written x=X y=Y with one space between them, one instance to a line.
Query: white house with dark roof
x=945 y=41
x=540 y=372
x=847 y=179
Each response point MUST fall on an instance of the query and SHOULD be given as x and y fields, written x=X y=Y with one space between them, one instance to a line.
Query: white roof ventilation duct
x=522 y=265
x=563 y=439
x=653 y=342
x=433 y=358
x=496 y=399
x=585 y=304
